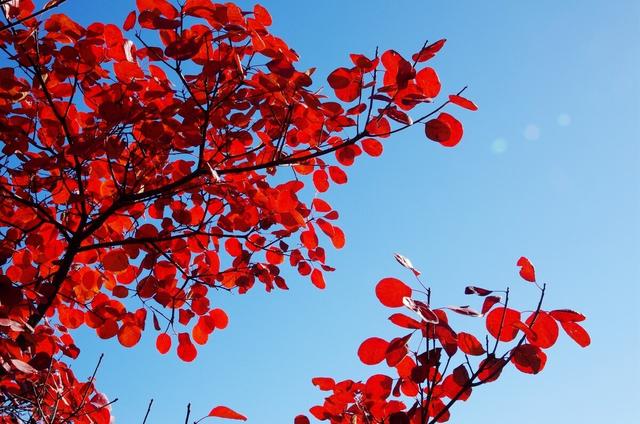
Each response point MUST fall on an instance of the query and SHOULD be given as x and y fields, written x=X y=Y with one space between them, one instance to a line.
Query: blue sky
x=548 y=168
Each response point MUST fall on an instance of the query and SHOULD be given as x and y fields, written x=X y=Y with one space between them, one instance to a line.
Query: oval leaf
x=372 y=351
x=391 y=291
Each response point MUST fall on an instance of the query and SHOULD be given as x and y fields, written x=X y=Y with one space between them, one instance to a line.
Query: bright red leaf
x=462 y=102
x=163 y=343
x=577 y=333
x=545 y=329
x=391 y=291
x=527 y=271
x=567 y=315
x=372 y=351
x=186 y=350
x=500 y=321
x=227 y=413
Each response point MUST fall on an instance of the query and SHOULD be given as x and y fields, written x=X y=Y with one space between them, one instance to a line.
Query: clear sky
x=548 y=168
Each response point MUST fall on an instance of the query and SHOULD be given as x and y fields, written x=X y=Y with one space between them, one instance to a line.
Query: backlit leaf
x=577 y=333
x=391 y=291
x=226 y=413
x=527 y=271
x=372 y=351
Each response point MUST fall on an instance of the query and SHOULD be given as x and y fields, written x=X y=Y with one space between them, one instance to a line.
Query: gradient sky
x=548 y=168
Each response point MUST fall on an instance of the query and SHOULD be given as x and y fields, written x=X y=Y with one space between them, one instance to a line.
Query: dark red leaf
x=477 y=290
x=301 y=419
x=528 y=358
x=489 y=302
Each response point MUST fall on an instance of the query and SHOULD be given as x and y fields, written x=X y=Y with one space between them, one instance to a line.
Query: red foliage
x=427 y=375
x=133 y=189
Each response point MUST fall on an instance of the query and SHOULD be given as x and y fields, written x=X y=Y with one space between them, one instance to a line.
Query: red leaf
x=399 y=116
x=398 y=70
x=365 y=64
x=220 y=318
x=319 y=412
x=317 y=279
x=429 y=83
x=186 y=350
x=448 y=138
x=323 y=383
x=301 y=419
x=115 y=260
x=129 y=335
x=320 y=180
x=462 y=102
x=337 y=175
x=379 y=127
x=372 y=351
x=527 y=271
x=567 y=315
x=437 y=130
x=491 y=368
x=401 y=320
x=372 y=146
x=346 y=83
x=528 y=358
x=391 y=291
x=577 y=333
x=489 y=302
x=469 y=344
x=429 y=51
x=545 y=329
x=163 y=343
x=396 y=350
x=338 y=238
x=262 y=15
x=163 y=6
x=455 y=383
x=531 y=336
x=130 y=21
x=226 y=413
x=378 y=386
x=503 y=317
